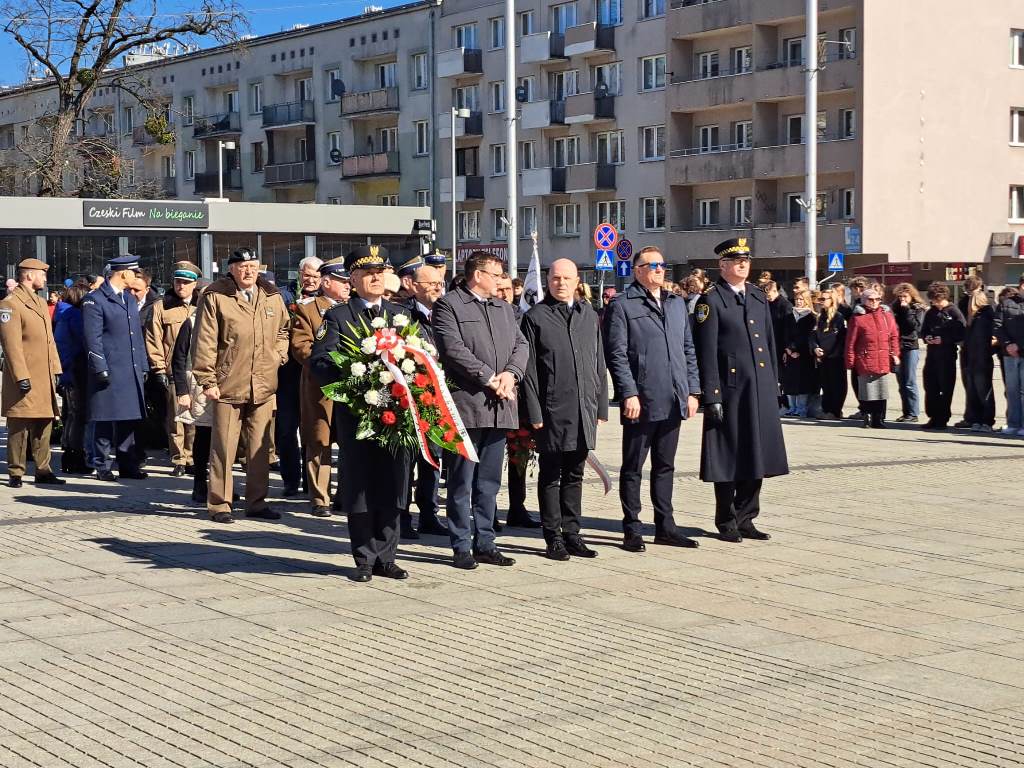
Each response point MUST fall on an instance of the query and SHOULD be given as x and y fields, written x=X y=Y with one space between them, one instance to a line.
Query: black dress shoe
x=406 y=531
x=264 y=514
x=362 y=575
x=556 y=549
x=675 y=540
x=106 y=476
x=222 y=517
x=199 y=495
x=178 y=471
x=190 y=469
x=320 y=511
x=576 y=547
x=290 y=490
x=465 y=561
x=493 y=557
x=634 y=544
x=750 y=532
x=731 y=535
x=433 y=526
x=498 y=527
x=390 y=571
x=50 y=479
x=14 y=482
x=521 y=519
x=136 y=474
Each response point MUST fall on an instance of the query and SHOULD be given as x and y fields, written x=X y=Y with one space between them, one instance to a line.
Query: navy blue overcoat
x=114 y=343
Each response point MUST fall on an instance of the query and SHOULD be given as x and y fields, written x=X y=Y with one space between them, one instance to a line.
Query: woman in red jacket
x=873 y=351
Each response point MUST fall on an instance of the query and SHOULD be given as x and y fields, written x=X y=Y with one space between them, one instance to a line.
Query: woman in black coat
x=828 y=343
x=977 y=362
x=799 y=373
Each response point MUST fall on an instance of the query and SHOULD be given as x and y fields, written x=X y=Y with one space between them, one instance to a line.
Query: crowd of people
x=231 y=372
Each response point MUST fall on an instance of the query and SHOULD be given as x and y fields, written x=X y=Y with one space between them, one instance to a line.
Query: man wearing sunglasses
x=648 y=346
x=742 y=442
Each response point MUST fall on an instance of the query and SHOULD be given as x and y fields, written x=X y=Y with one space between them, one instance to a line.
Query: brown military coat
x=239 y=346
x=29 y=353
x=308 y=317
x=169 y=314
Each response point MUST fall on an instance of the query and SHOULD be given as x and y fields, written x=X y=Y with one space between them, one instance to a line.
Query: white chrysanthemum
x=385 y=377
x=358 y=369
x=378 y=322
x=414 y=341
x=400 y=321
x=430 y=349
x=368 y=345
x=372 y=397
x=408 y=366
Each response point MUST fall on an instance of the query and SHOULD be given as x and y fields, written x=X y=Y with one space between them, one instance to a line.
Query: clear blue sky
x=265 y=16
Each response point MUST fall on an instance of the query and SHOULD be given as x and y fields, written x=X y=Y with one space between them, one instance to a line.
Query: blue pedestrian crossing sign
x=604 y=261
x=623 y=268
x=836 y=261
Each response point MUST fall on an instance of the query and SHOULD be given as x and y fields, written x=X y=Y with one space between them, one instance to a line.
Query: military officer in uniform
x=29 y=379
x=375 y=479
x=742 y=440
x=316 y=410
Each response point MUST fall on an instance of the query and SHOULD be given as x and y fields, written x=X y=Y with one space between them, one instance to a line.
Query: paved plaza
x=883 y=625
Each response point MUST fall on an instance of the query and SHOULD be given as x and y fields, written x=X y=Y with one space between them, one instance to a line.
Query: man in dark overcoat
x=376 y=480
x=648 y=346
x=565 y=393
x=118 y=367
x=742 y=442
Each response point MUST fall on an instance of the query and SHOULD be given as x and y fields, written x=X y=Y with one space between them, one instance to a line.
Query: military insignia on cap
x=321 y=331
x=742 y=242
x=5 y=315
x=374 y=250
x=702 y=311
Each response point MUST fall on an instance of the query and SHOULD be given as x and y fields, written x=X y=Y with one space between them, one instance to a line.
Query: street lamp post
x=221 y=146
x=463 y=113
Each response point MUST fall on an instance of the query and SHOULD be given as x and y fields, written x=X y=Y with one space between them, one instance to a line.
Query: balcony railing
x=376 y=164
x=217 y=125
x=294 y=113
x=143 y=138
x=589 y=38
x=687 y=3
x=460 y=61
x=289 y=173
x=366 y=102
x=207 y=182
x=542 y=46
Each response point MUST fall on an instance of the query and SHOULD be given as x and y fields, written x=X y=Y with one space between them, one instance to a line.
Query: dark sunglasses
x=653 y=265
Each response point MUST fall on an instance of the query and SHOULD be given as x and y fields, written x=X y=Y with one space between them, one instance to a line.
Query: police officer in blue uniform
x=742 y=441
x=118 y=368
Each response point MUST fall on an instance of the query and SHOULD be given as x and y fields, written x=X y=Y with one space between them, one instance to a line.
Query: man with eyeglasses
x=742 y=441
x=485 y=354
x=648 y=346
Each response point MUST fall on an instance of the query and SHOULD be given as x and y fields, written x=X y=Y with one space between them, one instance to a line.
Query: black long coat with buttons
x=737 y=360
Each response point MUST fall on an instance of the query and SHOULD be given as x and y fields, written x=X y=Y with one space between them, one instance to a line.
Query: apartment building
x=915 y=165
x=591 y=77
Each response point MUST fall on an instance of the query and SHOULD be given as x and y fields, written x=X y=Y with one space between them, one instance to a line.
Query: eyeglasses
x=655 y=265
x=872 y=299
x=495 y=275
x=430 y=283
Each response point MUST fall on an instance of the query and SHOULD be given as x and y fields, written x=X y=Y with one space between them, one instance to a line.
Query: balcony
x=542 y=47
x=689 y=18
x=588 y=108
x=379 y=50
x=363 y=166
x=542 y=114
x=543 y=181
x=466 y=188
x=365 y=104
x=589 y=177
x=212 y=126
x=457 y=62
x=589 y=39
x=765 y=240
x=294 y=113
x=472 y=126
x=835 y=155
x=206 y=183
x=143 y=138
x=699 y=165
x=301 y=172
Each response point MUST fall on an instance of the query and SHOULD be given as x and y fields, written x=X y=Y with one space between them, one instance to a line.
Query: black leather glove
x=103 y=379
x=714 y=413
x=164 y=381
x=145 y=376
x=25 y=385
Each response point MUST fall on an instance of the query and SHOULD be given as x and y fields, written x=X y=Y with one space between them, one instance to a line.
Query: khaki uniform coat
x=29 y=353
x=240 y=345
x=308 y=317
x=169 y=313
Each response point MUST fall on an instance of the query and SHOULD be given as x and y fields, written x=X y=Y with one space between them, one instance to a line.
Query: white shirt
x=477 y=296
x=738 y=289
x=423 y=309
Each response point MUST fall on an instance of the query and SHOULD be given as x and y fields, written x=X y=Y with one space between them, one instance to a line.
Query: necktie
x=373 y=311
x=741 y=297
x=248 y=295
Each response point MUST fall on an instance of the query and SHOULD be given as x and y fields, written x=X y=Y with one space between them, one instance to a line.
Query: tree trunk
x=51 y=172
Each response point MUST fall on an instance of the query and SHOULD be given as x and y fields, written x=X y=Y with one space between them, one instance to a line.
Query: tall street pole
x=811 y=132
x=511 y=147
x=455 y=236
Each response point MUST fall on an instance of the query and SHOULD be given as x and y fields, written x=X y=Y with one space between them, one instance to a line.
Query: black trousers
x=286 y=436
x=659 y=439
x=428 y=481
x=516 y=490
x=73 y=405
x=201 y=457
x=833 y=385
x=981 y=403
x=560 y=491
x=117 y=437
x=737 y=504
x=939 y=381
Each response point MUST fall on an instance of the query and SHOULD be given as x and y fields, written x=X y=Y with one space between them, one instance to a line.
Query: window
x=497 y=32
x=190 y=164
x=847 y=123
x=849 y=50
x=333 y=147
x=387 y=75
x=653 y=210
x=743 y=134
x=652 y=142
x=822 y=126
x=129 y=173
x=565 y=151
x=304 y=89
x=423 y=198
x=708 y=213
x=652 y=8
x=527 y=155
x=422 y=137
x=255 y=98
x=794 y=208
x=529 y=86
x=652 y=72
x=608 y=147
x=257 y=156
x=127 y=120
x=821 y=206
x=793 y=49
x=498 y=159
x=849 y=203
x=795 y=129
x=707 y=138
x=526 y=23
x=563 y=17
x=168 y=167
x=742 y=60
x=388 y=139
x=465 y=36
x=498 y=96
x=108 y=125
x=609 y=75
x=612 y=212
x=333 y=84
x=301 y=149
x=565 y=220
x=498 y=225
x=609 y=12
x=391 y=200
x=187 y=110
x=334 y=200
x=420 y=75
x=742 y=210
x=1017 y=47
x=1017 y=125
x=467 y=161
x=231 y=101
x=469 y=225
x=564 y=84
x=467 y=97
x=707 y=65
x=1016 y=203
x=527 y=221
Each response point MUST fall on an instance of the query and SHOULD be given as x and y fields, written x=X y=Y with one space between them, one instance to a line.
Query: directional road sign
x=624 y=250
x=623 y=268
x=604 y=261
x=836 y=260
x=605 y=237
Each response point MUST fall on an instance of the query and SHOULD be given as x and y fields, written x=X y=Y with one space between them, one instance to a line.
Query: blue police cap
x=334 y=268
x=123 y=262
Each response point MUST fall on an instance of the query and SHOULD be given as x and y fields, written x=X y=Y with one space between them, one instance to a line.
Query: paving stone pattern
x=883 y=625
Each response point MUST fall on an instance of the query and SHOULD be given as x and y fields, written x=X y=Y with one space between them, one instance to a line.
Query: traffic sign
x=624 y=250
x=605 y=237
x=852 y=239
x=604 y=261
x=836 y=260
x=623 y=268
